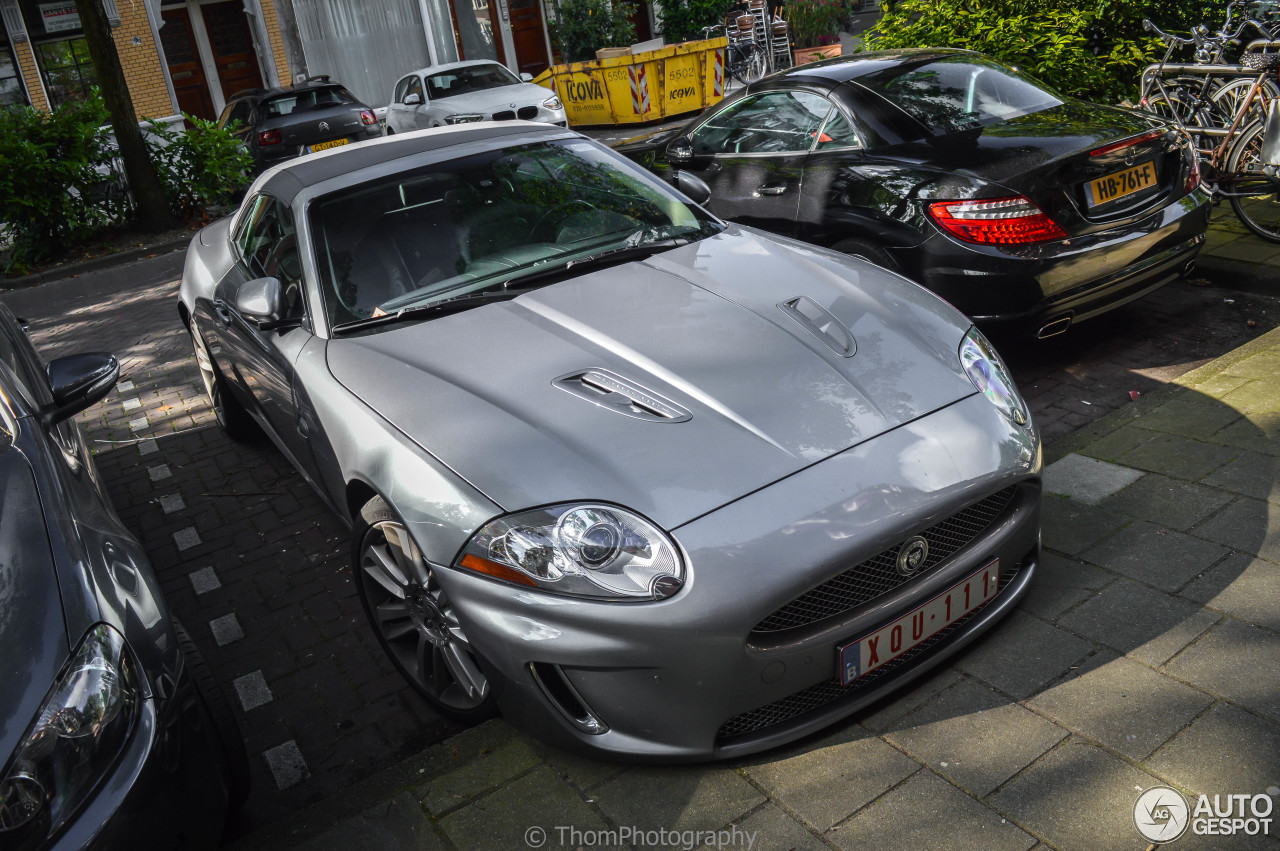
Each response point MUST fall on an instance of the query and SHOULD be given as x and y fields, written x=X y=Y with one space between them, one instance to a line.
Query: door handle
x=770 y=189
x=714 y=168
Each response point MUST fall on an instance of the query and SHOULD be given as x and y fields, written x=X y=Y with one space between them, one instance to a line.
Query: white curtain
x=367 y=45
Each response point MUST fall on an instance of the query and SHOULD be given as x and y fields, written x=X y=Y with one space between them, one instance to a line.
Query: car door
x=396 y=109
x=261 y=361
x=752 y=153
x=835 y=182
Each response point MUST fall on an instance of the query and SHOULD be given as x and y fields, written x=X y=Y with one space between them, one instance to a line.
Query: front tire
x=225 y=725
x=414 y=619
x=232 y=417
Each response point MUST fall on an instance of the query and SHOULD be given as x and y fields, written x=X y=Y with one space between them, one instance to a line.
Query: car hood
x=730 y=392
x=522 y=94
x=33 y=631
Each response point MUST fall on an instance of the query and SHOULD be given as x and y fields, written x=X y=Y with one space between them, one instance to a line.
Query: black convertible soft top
x=286 y=180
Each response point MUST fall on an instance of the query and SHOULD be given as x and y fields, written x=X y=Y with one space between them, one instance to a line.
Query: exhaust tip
x=1054 y=327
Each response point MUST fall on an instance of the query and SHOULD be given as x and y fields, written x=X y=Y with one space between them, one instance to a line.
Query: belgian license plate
x=321 y=146
x=1113 y=187
x=892 y=640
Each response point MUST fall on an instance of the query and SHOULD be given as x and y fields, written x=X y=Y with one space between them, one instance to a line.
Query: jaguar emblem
x=912 y=555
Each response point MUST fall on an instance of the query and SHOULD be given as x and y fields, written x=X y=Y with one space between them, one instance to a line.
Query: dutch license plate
x=892 y=640
x=326 y=145
x=1122 y=183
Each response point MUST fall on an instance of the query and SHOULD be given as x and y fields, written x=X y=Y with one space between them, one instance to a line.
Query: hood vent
x=819 y=322
x=603 y=388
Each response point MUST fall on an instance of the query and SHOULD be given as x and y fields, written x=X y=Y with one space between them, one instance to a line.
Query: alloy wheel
x=416 y=620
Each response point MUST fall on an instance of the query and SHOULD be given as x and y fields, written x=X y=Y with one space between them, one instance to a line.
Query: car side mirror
x=680 y=150
x=693 y=186
x=78 y=381
x=262 y=302
x=412 y=99
x=526 y=77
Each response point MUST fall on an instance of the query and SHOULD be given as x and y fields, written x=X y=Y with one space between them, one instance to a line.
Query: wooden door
x=232 y=47
x=189 y=83
x=526 y=35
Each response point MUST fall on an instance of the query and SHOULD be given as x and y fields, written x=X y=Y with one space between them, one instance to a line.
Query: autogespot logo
x=1160 y=814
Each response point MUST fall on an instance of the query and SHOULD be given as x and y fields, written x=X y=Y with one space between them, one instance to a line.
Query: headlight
x=76 y=737
x=989 y=374
x=462 y=119
x=585 y=550
x=553 y=102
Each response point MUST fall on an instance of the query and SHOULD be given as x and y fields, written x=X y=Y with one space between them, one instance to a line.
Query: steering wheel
x=555 y=213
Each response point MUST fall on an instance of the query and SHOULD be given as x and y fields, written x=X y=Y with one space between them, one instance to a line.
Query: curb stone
x=108 y=261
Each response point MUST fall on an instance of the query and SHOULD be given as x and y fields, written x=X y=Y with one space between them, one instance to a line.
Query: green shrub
x=51 y=191
x=683 y=20
x=817 y=22
x=584 y=26
x=201 y=167
x=1089 y=50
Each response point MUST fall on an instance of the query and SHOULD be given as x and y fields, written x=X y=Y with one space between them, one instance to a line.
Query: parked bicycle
x=745 y=58
x=1244 y=164
x=1208 y=93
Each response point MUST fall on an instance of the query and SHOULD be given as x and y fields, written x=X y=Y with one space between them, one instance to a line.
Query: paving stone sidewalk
x=1147 y=654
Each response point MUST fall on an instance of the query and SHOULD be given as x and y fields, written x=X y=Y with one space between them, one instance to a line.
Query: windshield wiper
x=513 y=286
x=444 y=307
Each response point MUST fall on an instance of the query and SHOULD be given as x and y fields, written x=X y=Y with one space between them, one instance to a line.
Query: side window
x=837 y=133
x=242 y=113
x=268 y=244
x=771 y=123
x=401 y=88
x=415 y=87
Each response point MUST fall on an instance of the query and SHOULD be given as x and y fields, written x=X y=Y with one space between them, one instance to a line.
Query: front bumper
x=673 y=680
x=1025 y=287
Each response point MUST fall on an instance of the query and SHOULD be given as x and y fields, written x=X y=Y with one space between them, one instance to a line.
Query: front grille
x=879 y=575
x=528 y=113
x=505 y=115
x=817 y=696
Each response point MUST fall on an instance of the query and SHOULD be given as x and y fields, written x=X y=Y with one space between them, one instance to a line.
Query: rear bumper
x=1023 y=287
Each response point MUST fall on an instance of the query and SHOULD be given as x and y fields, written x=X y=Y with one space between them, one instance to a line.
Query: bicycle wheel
x=1255 y=196
x=1227 y=99
x=750 y=64
x=1178 y=106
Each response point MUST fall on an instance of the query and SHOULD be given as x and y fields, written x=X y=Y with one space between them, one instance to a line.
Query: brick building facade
x=182 y=56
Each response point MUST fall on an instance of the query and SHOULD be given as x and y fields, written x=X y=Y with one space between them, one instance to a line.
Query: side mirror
x=526 y=77
x=412 y=99
x=693 y=186
x=261 y=301
x=680 y=150
x=78 y=381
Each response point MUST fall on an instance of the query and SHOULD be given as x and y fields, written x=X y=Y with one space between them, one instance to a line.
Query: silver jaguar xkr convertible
x=649 y=483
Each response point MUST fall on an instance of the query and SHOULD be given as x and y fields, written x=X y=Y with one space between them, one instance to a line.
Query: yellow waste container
x=640 y=87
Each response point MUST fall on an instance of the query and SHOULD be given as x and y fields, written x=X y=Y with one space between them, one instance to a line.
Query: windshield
x=303 y=101
x=468 y=79
x=480 y=224
x=960 y=93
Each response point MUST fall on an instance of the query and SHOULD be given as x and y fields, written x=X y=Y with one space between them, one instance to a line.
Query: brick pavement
x=257 y=567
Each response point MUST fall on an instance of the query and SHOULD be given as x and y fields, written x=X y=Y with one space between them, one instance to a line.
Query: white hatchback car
x=461 y=92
